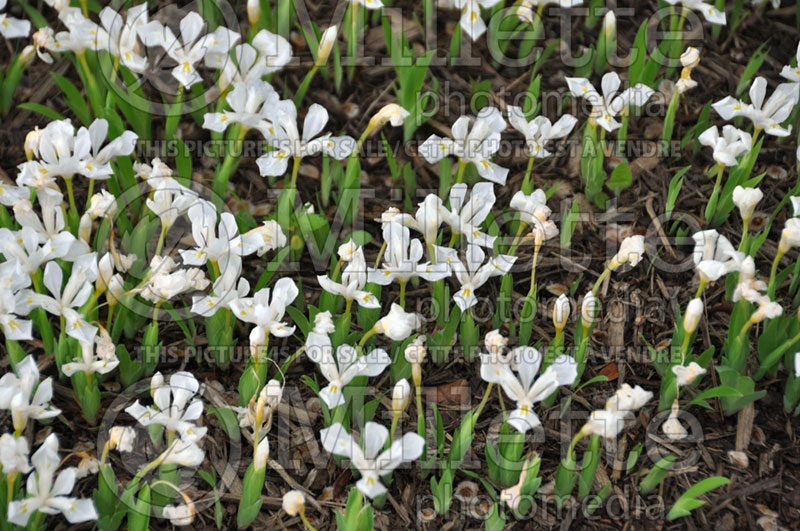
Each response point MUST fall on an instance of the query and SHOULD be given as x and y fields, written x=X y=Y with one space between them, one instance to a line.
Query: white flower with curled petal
x=341 y=370
x=714 y=256
x=631 y=251
x=709 y=12
x=465 y=217
x=494 y=362
x=46 y=40
x=793 y=73
x=317 y=339
x=427 y=219
x=267 y=54
x=539 y=131
x=25 y=396
x=262 y=239
x=527 y=389
x=628 y=398
x=746 y=200
x=766 y=310
x=191 y=48
x=266 y=310
x=169 y=201
x=26 y=247
x=686 y=375
x=90 y=361
x=372 y=461
x=223 y=246
x=288 y=142
x=398 y=324
x=162 y=285
x=14 y=454
x=610 y=421
x=402 y=259
x=10 y=194
x=347 y=250
x=180 y=515
x=47 y=493
x=354 y=278
x=749 y=288
x=175 y=407
x=790 y=235
x=122 y=35
x=471 y=21
x=534 y=212
x=14 y=302
x=293 y=502
x=65 y=302
x=102 y=205
x=51 y=223
x=766 y=114
x=227 y=288
x=610 y=105
x=10 y=27
x=472 y=273
x=84 y=33
x=474 y=140
x=249 y=104
x=182 y=453
x=727 y=147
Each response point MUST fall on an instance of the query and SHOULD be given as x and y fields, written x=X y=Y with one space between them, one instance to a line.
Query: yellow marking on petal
x=223 y=119
x=467 y=292
x=525 y=410
x=187 y=67
x=281 y=155
x=473 y=16
x=13 y=325
x=485 y=165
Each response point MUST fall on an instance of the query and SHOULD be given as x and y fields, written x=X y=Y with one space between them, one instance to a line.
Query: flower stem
x=600 y=279
x=71 y=194
x=527 y=188
x=482 y=404
x=773 y=272
x=301 y=91
x=371 y=332
x=536 y=248
x=228 y=166
x=462 y=166
x=161 y=238
x=292 y=358
x=306 y=523
x=402 y=294
x=515 y=243
x=380 y=255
